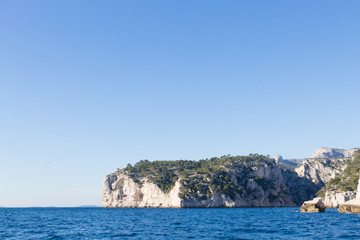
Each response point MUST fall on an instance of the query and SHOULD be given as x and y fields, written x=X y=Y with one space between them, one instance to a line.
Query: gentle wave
x=221 y=223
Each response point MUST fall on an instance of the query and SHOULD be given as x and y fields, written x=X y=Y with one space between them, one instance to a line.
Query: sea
x=206 y=223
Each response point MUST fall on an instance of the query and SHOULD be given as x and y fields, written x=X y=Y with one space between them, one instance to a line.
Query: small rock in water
x=315 y=205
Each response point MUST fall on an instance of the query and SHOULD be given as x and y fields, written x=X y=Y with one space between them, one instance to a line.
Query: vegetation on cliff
x=227 y=174
x=347 y=180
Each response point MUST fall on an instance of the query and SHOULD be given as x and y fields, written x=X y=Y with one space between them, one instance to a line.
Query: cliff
x=324 y=164
x=334 y=173
x=240 y=181
x=333 y=199
x=351 y=206
x=236 y=181
x=343 y=186
x=121 y=191
x=334 y=153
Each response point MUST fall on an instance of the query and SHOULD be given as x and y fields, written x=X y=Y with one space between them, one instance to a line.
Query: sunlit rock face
x=315 y=205
x=121 y=191
x=264 y=184
x=324 y=164
x=352 y=206
x=333 y=153
x=278 y=158
x=333 y=199
x=268 y=186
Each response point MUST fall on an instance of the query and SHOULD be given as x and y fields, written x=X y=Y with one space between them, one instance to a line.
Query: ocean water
x=217 y=223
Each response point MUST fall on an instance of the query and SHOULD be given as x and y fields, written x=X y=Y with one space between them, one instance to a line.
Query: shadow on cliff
x=300 y=188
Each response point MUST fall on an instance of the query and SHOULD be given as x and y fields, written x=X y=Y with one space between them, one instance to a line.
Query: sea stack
x=315 y=205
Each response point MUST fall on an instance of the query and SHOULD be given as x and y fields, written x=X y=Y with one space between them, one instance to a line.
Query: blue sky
x=87 y=87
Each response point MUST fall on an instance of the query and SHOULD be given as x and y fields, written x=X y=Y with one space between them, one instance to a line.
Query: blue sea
x=217 y=223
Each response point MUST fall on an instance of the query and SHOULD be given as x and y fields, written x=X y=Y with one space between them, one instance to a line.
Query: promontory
x=231 y=181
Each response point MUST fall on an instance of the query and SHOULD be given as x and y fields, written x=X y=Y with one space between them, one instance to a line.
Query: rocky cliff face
x=351 y=206
x=264 y=187
x=321 y=170
x=334 y=153
x=324 y=164
x=240 y=181
x=121 y=191
x=251 y=184
x=333 y=199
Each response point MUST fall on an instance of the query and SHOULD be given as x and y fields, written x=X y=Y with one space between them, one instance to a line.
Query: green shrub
x=199 y=178
x=347 y=180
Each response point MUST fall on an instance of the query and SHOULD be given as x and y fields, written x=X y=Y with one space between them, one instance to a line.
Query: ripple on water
x=237 y=223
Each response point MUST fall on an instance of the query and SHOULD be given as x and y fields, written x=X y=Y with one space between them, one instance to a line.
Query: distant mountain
x=334 y=153
x=290 y=164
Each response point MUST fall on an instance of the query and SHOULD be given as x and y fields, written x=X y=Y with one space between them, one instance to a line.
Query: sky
x=87 y=87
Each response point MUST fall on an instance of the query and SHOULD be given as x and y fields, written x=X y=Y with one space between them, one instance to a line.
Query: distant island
x=236 y=181
x=87 y=206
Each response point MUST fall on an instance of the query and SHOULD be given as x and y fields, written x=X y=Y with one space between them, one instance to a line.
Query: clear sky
x=89 y=86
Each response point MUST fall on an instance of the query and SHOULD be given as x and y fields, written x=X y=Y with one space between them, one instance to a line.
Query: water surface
x=220 y=223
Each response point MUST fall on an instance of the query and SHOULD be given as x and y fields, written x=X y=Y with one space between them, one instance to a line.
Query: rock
x=333 y=153
x=278 y=158
x=315 y=205
x=121 y=191
x=263 y=186
x=352 y=206
x=333 y=198
x=267 y=185
x=324 y=164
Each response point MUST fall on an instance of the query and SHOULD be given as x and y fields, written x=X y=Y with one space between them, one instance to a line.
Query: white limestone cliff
x=287 y=188
x=121 y=191
x=333 y=153
x=256 y=195
x=333 y=199
x=324 y=164
x=352 y=206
